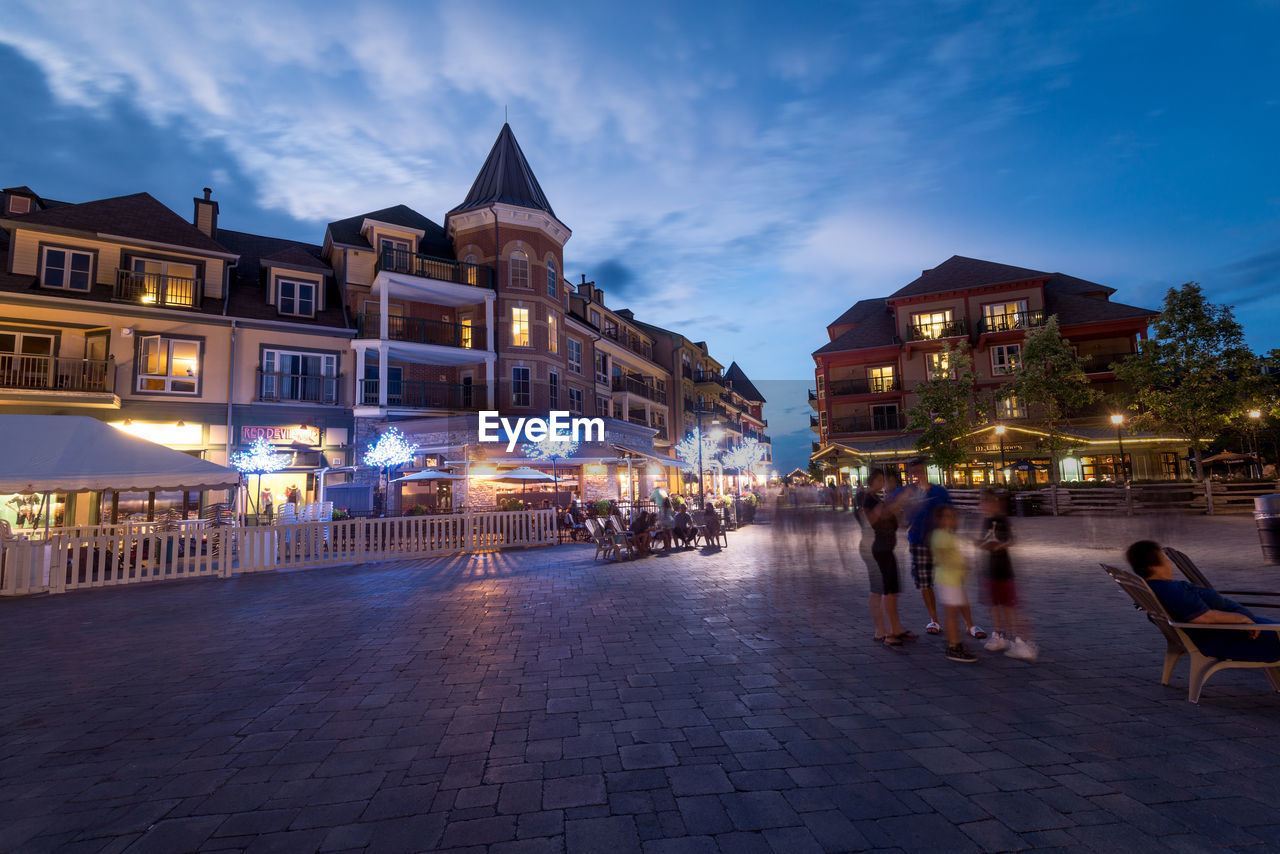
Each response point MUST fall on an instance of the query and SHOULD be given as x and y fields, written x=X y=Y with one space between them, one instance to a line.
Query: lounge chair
x=1179 y=643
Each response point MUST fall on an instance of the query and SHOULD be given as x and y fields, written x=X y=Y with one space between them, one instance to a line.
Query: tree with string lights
x=745 y=456
x=259 y=458
x=390 y=451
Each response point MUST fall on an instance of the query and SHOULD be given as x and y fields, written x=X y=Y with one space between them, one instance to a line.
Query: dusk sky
x=739 y=172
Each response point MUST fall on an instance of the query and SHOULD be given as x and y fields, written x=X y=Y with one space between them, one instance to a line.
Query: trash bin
x=1266 y=512
x=1026 y=504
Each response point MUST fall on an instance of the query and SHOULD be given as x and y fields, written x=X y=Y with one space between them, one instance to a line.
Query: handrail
x=1012 y=320
x=157 y=289
x=55 y=373
x=418 y=394
x=420 y=330
x=938 y=330
x=430 y=267
x=276 y=386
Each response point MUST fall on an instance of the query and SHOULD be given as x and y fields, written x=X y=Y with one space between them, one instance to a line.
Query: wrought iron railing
x=869 y=423
x=865 y=385
x=419 y=330
x=416 y=394
x=1012 y=320
x=935 y=330
x=635 y=385
x=440 y=269
x=708 y=377
x=278 y=387
x=53 y=373
x=157 y=289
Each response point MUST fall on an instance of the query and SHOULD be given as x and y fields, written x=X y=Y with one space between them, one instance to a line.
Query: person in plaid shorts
x=925 y=499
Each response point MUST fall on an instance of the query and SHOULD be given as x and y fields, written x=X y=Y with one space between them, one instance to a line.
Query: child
x=949 y=576
x=1009 y=636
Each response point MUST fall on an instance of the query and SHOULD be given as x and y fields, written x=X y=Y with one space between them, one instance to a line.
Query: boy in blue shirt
x=1190 y=603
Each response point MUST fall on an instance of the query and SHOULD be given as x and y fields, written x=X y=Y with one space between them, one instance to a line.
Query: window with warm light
x=519 y=327
x=168 y=365
x=931 y=324
x=518 y=269
x=880 y=379
x=1004 y=315
x=1012 y=407
x=553 y=334
x=470 y=269
x=1005 y=358
x=939 y=366
x=466 y=329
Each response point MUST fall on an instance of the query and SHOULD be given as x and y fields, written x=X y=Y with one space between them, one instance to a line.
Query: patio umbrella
x=524 y=476
x=429 y=475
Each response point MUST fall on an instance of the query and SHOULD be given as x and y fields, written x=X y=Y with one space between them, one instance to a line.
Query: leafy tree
x=1051 y=383
x=943 y=411
x=1194 y=373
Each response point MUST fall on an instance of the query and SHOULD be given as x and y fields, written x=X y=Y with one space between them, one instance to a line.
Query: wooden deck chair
x=1185 y=565
x=605 y=546
x=1179 y=643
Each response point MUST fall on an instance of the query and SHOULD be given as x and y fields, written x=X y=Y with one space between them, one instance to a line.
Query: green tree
x=1194 y=373
x=1051 y=383
x=943 y=411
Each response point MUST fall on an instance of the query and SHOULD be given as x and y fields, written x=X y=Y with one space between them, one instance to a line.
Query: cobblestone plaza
x=536 y=701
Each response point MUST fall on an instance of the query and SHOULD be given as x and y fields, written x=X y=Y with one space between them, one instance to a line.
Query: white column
x=382 y=313
x=489 y=383
x=382 y=363
x=489 y=325
x=358 y=384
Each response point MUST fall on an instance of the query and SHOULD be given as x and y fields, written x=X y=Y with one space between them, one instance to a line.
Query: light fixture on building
x=181 y=423
x=128 y=422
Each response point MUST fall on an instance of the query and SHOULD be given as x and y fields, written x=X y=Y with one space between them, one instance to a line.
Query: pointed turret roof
x=506 y=178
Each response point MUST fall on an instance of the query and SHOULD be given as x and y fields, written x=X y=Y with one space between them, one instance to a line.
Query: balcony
x=277 y=387
x=689 y=405
x=636 y=385
x=1101 y=363
x=869 y=423
x=418 y=330
x=813 y=422
x=52 y=373
x=1011 y=320
x=687 y=372
x=939 y=330
x=415 y=394
x=708 y=377
x=865 y=385
x=157 y=289
x=441 y=269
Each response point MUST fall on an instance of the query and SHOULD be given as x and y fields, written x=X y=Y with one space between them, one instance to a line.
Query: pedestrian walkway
x=536 y=701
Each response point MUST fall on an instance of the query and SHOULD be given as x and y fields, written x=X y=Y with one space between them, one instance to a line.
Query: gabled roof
x=296 y=256
x=434 y=241
x=1072 y=308
x=742 y=385
x=506 y=178
x=958 y=272
x=1070 y=284
x=872 y=323
x=139 y=216
x=248 y=293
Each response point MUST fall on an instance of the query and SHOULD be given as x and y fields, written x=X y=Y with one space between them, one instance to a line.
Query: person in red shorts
x=1009 y=633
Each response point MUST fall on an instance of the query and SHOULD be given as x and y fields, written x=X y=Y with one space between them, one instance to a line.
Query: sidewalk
x=532 y=700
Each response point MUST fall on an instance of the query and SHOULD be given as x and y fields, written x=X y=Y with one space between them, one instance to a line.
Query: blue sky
x=740 y=172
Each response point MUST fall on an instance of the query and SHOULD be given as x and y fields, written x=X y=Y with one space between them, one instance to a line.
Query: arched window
x=519 y=267
x=553 y=290
x=471 y=275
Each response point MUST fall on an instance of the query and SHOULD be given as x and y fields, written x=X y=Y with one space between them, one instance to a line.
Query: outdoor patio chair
x=605 y=547
x=1179 y=643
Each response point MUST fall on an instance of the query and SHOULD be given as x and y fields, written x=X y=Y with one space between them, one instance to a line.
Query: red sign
x=281 y=435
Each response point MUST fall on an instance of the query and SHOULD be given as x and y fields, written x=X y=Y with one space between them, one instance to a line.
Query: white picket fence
x=77 y=558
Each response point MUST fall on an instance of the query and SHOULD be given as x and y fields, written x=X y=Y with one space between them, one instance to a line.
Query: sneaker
x=933 y=628
x=959 y=653
x=1023 y=650
x=976 y=632
x=997 y=643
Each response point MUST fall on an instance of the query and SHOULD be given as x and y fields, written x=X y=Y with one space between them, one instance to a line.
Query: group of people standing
x=939 y=567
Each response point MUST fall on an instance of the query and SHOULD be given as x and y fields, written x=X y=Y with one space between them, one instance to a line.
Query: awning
x=623 y=450
x=75 y=453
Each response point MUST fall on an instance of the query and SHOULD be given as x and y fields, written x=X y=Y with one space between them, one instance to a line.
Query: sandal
x=977 y=632
x=879 y=638
x=933 y=628
x=907 y=635
x=892 y=640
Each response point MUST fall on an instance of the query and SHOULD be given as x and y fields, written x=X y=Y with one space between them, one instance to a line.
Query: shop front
x=311 y=449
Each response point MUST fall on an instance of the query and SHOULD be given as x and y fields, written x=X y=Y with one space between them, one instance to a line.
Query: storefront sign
x=1009 y=448
x=285 y=435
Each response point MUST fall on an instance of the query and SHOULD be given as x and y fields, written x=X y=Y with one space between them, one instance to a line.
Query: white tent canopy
x=76 y=453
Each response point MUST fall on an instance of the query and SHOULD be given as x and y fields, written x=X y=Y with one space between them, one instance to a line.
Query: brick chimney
x=206 y=216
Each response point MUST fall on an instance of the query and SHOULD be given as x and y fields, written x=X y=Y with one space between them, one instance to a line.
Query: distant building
x=881 y=349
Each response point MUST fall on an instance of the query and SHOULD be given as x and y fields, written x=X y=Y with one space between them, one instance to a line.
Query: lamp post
x=1004 y=476
x=1255 y=416
x=1118 y=420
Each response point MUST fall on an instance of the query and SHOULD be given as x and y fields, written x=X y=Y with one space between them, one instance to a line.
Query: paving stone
x=639 y=756
x=613 y=835
x=698 y=780
x=568 y=792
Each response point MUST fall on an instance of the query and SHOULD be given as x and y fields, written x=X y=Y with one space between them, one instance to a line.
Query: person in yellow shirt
x=949 y=576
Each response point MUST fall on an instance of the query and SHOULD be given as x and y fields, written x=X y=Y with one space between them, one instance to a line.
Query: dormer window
x=519 y=269
x=297 y=299
x=66 y=268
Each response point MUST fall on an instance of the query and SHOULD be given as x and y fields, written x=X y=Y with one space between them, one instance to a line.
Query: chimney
x=206 y=216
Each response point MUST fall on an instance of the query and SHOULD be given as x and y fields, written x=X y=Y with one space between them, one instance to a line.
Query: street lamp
x=1004 y=477
x=1254 y=417
x=1118 y=420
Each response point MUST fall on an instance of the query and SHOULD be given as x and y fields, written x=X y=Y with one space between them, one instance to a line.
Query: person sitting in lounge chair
x=1189 y=603
x=683 y=529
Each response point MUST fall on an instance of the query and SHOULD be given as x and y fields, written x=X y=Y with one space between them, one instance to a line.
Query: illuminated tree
x=390 y=451
x=259 y=458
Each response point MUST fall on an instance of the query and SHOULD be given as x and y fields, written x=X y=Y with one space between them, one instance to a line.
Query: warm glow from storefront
x=163 y=433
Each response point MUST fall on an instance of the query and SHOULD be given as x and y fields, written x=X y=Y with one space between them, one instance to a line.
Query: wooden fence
x=111 y=556
x=1211 y=497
